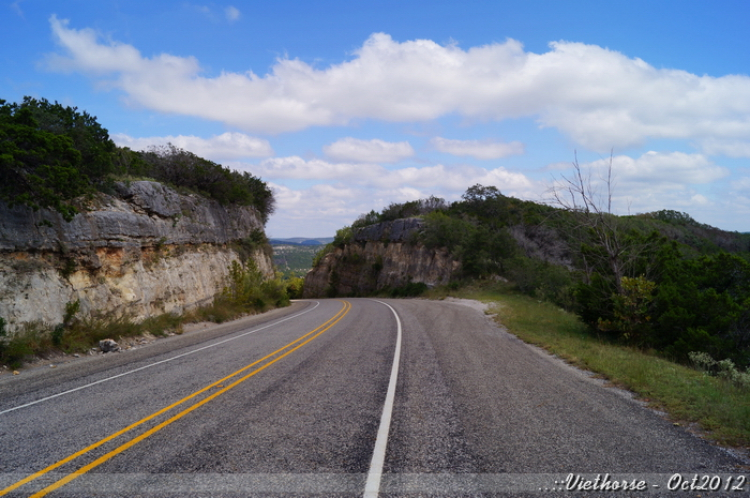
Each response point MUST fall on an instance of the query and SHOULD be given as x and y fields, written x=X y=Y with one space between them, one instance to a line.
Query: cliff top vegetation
x=51 y=155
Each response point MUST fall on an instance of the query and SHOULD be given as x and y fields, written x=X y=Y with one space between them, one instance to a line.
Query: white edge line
x=317 y=303
x=372 y=485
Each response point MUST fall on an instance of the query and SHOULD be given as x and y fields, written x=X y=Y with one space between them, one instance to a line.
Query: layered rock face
x=144 y=251
x=381 y=256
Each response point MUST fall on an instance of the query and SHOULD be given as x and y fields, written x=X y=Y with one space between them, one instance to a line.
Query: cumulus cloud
x=316 y=211
x=651 y=182
x=451 y=180
x=227 y=146
x=598 y=97
x=478 y=149
x=651 y=168
x=732 y=148
x=373 y=151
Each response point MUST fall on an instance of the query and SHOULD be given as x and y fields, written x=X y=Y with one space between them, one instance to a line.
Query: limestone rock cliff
x=381 y=256
x=144 y=250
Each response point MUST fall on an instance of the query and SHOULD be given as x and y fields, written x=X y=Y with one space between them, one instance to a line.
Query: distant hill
x=294 y=256
x=302 y=241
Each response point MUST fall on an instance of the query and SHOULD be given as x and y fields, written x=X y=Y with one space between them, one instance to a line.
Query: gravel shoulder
x=520 y=410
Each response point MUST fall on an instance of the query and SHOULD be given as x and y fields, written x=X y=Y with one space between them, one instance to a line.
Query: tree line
x=52 y=156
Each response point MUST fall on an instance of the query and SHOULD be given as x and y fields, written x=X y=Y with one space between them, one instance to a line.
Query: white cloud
x=672 y=168
x=232 y=13
x=651 y=182
x=227 y=146
x=368 y=151
x=598 y=97
x=436 y=179
x=699 y=200
x=294 y=167
x=324 y=208
x=742 y=185
x=316 y=211
x=479 y=149
x=732 y=148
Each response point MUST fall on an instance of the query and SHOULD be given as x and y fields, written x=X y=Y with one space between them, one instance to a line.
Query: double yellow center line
x=276 y=355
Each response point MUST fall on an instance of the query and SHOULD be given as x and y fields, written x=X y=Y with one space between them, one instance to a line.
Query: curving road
x=293 y=403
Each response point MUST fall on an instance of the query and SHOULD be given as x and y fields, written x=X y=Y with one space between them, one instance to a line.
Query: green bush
x=32 y=339
x=248 y=290
x=542 y=280
x=725 y=369
x=411 y=289
x=704 y=305
x=343 y=236
x=481 y=250
x=632 y=310
x=294 y=287
x=50 y=155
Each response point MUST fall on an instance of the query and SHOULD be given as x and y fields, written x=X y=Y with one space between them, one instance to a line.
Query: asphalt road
x=293 y=403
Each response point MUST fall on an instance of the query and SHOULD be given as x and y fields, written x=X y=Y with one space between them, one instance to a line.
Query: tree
x=591 y=215
x=88 y=136
x=606 y=246
x=619 y=264
x=703 y=304
x=487 y=204
x=40 y=165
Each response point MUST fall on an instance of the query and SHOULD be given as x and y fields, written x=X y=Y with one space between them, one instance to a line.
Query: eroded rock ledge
x=385 y=255
x=145 y=250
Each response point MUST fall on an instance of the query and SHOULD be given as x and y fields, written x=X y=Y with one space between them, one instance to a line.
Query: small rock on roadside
x=108 y=346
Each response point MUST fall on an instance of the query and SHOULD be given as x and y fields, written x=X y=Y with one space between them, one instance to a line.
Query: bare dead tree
x=590 y=209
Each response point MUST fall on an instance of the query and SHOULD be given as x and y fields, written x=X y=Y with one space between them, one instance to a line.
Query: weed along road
x=349 y=397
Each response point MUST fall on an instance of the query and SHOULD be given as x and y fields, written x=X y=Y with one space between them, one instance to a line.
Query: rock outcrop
x=385 y=255
x=144 y=250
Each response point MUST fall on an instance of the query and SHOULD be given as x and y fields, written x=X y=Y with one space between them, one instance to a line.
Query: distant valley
x=294 y=256
x=302 y=241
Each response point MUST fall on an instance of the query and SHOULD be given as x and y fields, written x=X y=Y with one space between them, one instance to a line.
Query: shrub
x=724 y=369
x=248 y=290
x=540 y=279
x=50 y=155
x=632 y=311
x=704 y=305
x=411 y=289
x=294 y=287
x=31 y=339
x=343 y=236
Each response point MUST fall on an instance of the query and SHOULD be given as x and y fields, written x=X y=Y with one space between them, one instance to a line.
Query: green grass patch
x=689 y=396
x=80 y=335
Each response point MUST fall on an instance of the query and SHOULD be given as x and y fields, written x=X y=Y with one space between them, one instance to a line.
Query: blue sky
x=346 y=106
